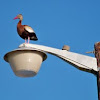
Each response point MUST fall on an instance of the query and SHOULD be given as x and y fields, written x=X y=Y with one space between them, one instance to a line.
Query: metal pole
x=97 y=55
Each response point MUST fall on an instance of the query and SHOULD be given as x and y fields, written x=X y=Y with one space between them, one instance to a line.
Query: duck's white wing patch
x=29 y=29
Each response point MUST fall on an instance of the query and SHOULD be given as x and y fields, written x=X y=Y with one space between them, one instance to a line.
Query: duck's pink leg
x=25 y=40
x=28 y=39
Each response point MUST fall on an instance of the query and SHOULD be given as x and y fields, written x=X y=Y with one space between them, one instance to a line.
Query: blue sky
x=56 y=22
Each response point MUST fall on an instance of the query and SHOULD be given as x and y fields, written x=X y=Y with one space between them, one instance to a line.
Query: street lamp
x=27 y=59
x=25 y=62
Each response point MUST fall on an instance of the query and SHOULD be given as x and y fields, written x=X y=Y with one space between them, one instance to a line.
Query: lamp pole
x=97 y=55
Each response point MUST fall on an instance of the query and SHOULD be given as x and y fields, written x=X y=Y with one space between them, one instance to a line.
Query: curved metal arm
x=78 y=60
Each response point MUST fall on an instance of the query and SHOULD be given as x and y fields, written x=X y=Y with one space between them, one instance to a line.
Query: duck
x=25 y=31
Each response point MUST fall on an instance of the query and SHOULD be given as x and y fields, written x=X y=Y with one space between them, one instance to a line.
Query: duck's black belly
x=32 y=36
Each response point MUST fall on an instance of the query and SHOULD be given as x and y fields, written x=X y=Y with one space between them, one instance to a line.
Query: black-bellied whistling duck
x=25 y=31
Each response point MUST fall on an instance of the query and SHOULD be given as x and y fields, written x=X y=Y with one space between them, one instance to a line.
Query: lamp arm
x=78 y=60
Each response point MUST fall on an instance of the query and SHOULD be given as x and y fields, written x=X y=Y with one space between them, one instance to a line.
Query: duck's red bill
x=16 y=18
